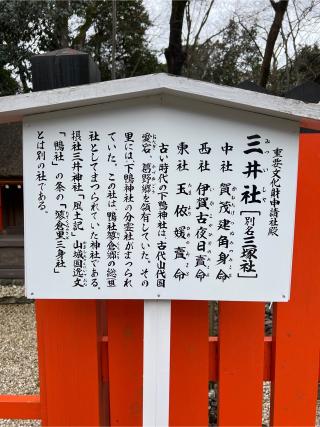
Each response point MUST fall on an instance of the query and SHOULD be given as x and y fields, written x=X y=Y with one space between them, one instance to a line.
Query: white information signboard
x=155 y=199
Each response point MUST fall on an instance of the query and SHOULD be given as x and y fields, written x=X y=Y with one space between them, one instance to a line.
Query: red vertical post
x=69 y=340
x=241 y=363
x=297 y=323
x=69 y=331
x=189 y=364
x=125 y=354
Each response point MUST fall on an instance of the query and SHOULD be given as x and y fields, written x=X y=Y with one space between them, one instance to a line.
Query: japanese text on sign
x=132 y=209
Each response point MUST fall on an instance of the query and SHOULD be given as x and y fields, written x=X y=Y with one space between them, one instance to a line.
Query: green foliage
x=304 y=67
x=132 y=55
x=31 y=27
x=17 y=36
x=8 y=85
x=307 y=63
x=229 y=60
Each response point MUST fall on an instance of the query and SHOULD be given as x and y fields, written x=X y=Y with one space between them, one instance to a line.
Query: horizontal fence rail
x=29 y=406
x=20 y=407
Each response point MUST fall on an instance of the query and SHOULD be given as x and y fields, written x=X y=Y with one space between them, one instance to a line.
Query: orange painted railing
x=29 y=406
x=20 y=407
x=88 y=379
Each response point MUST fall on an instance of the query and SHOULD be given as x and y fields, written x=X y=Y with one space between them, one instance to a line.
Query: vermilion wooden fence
x=91 y=353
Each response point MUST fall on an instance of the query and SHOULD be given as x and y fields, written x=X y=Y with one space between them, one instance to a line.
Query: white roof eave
x=15 y=108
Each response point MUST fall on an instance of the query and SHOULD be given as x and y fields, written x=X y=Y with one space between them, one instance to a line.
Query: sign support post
x=156 y=362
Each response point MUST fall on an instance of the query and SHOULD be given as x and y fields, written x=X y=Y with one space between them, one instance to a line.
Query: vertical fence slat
x=189 y=364
x=241 y=356
x=296 y=326
x=125 y=348
x=69 y=363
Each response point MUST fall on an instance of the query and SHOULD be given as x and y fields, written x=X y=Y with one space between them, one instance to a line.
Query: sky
x=159 y=12
x=222 y=11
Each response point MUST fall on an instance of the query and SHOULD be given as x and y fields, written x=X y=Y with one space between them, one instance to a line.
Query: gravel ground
x=266 y=405
x=18 y=355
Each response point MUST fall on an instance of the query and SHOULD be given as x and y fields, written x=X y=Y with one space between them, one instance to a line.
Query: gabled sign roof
x=15 y=108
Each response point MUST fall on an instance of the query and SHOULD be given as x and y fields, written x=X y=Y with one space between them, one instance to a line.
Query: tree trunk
x=280 y=9
x=61 y=24
x=23 y=77
x=175 y=55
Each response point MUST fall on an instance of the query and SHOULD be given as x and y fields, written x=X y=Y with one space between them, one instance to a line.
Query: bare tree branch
x=203 y=22
x=253 y=39
x=206 y=41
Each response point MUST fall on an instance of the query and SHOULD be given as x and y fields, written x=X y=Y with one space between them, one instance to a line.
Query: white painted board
x=156 y=363
x=159 y=199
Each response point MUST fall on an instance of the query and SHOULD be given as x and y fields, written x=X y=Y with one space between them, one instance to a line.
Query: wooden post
x=241 y=355
x=125 y=346
x=69 y=331
x=156 y=363
x=295 y=372
x=69 y=341
x=189 y=364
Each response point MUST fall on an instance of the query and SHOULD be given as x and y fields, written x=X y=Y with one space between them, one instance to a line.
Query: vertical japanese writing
x=162 y=215
x=129 y=185
x=135 y=209
x=249 y=247
x=147 y=187
x=61 y=212
x=203 y=216
x=251 y=198
x=225 y=216
x=112 y=214
x=79 y=247
x=41 y=174
x=275 y=192
x=226 y=165
x=182 y=232
x=94 y=208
